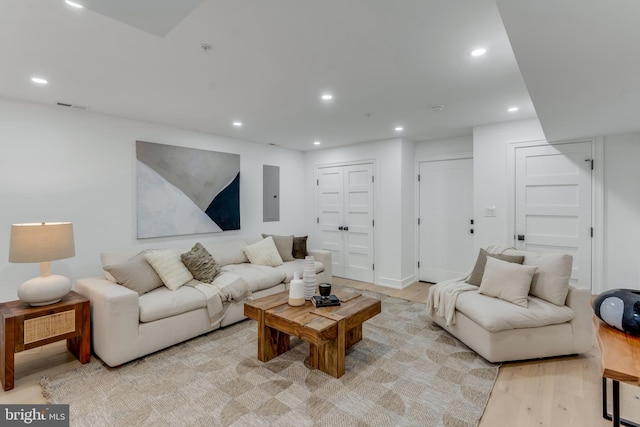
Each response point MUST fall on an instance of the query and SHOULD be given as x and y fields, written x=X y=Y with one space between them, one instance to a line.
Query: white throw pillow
x=551 y=281
x=169 y=266
x=264 y=252
x=507 y=281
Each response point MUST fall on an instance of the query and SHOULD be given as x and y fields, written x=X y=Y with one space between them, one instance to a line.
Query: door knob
x=520 y=236
x=341 y=228
x=346 y=229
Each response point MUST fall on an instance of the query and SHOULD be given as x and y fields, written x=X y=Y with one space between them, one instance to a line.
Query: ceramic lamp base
x=44 y=290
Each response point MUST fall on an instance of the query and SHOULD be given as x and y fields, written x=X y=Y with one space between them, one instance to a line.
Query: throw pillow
x=136 y=274
x=507 y=280
x=263 y=252
x=284 y=244
x=200 y=263
x=478 y=270
x=300 y=247
x=169 y=266
x=551 y=281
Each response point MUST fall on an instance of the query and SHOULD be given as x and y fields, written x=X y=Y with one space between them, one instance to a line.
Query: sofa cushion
x=551 y=281
x=163 y=302
x=200 y=263
x=507 y=280
x=263 y=252
x=478 y=270
x=169 y=266
x=288 y=268
x=300 y=247
x=112 y=258
x=257 y=276
x=284 y=244
x=229 y=252
x=496 y=315
x=136 y=274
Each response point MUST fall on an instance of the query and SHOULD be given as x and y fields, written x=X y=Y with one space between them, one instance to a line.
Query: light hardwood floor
x=564 y=391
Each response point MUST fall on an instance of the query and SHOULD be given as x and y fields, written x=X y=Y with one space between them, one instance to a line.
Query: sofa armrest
x=114 y=319
x=324 y=257
x=579 y=300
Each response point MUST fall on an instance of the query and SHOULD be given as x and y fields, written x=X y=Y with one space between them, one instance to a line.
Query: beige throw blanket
x=442 y=296
x=226 y=288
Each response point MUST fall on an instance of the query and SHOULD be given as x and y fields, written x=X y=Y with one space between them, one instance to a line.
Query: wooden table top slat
x=620 y=353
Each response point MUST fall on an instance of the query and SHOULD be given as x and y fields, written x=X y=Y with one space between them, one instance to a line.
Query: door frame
x=424 y=159
x=316 y=195
x=597 y=201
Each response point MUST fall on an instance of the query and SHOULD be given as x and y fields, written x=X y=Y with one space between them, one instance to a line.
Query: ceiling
x=267 y=63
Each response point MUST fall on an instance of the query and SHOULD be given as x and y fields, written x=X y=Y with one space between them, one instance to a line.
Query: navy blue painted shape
x=224 y=209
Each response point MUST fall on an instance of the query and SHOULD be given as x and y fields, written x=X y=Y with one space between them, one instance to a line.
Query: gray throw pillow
x=284 y=244
x=300 y=247
x=136 y=274
x=478 y=270
x=200 y=263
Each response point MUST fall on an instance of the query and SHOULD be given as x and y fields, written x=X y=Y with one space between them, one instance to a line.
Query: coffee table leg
x=271 y=342
x=329 y=356
x=354 y=335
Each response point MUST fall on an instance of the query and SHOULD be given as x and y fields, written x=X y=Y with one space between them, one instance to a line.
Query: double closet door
x=345 y=219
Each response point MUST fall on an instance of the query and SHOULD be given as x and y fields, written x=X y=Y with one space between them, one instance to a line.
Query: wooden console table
x=620 y=361
x=25 y=327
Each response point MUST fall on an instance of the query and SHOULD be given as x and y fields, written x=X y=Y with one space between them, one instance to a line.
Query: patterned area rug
x=405 y=372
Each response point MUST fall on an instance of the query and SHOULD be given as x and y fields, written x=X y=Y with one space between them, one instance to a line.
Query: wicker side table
x=25 y=327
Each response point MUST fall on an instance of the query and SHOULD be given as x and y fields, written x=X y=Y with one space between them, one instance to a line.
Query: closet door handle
x=341 y=228
x=346 y=228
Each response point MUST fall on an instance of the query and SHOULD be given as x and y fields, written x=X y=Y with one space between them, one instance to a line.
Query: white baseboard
x=395 y=283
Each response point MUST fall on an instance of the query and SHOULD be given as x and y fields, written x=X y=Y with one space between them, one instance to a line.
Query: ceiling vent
x=64 y=104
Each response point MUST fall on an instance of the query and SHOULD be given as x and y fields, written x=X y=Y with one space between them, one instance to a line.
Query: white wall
x=60 y=164
x=621 y=198
x=490 y=181
x=439 y=148
x=621 y=212
x=390 y=246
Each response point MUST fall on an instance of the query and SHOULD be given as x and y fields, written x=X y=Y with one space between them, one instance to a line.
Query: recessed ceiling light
x=399 y=129
x=316 y=142
x=512 y=109
x=327 y=97
x=39 y=80
x=478 y=52
x=237 y=124
x=74 y=4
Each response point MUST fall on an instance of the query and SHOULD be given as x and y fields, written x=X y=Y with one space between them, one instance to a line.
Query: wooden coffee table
x=330 y=331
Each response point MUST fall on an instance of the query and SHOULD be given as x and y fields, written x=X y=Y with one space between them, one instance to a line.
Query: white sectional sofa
x=554 y=318
x=127 y=324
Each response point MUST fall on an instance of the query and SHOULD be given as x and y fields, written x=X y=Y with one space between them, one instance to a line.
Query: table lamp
x=43 y=243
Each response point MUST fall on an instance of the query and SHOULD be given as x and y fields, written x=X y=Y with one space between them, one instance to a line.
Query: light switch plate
x=489 y=211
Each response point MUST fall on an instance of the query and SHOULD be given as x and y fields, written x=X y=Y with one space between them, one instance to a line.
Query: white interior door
x=331 y=215
x=446 y=213
x=553 y=203
x=345 y=219
x=358 y=222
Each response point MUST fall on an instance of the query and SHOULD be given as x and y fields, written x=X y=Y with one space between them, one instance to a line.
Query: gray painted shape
x=200 y=174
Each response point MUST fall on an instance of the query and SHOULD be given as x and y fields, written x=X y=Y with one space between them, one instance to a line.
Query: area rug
x=406 y=371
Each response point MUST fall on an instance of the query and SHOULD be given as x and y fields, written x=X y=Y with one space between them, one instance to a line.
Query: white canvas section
x=163 y=210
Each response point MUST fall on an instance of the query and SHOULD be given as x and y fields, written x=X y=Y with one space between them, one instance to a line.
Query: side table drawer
x=40 y=328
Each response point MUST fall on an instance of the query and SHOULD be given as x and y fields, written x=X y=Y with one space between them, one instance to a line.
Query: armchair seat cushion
x=496 y=315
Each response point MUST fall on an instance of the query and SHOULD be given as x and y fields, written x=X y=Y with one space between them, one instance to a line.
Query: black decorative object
x=620 y=309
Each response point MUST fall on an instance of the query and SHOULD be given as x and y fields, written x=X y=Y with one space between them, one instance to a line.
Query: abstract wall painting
x=186 y=190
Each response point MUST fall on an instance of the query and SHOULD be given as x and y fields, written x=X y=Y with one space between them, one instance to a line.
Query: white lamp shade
x=38 y=242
